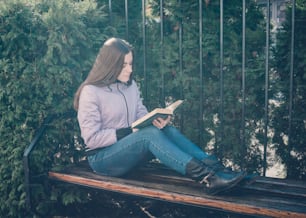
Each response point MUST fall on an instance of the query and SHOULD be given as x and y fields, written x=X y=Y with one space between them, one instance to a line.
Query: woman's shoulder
x=93 y=88
x=90 y=88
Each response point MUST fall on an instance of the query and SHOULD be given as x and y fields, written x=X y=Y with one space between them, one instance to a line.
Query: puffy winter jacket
x=103 y=110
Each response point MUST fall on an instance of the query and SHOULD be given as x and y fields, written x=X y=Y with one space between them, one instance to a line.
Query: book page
x=174 y=105
x=157 y=112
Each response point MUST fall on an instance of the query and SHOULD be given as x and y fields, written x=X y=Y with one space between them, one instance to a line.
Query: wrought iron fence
x=271 y=9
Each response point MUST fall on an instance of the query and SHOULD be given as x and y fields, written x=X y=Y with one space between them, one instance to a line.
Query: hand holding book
x=160 y=123
x=163 y=113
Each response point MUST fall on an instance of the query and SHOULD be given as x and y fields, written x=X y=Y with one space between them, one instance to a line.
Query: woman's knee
x=150 y=131
x=171 y=130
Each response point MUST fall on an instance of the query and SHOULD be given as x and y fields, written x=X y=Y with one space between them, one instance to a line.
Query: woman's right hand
x=160 y=123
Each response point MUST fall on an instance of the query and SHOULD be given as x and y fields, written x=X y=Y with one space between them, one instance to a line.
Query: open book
x=157 y=112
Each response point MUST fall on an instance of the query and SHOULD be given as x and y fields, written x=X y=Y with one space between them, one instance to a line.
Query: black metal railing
x=262 y=3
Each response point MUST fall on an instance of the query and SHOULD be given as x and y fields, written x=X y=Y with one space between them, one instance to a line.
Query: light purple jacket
x=103 y=110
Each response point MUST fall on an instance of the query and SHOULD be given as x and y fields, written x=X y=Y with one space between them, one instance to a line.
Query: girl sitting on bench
x=109 y=101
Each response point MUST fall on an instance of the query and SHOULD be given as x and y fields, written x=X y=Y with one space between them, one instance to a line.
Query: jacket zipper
x=126 y=105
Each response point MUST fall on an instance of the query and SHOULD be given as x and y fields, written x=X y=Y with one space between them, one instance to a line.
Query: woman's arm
x=91 y=123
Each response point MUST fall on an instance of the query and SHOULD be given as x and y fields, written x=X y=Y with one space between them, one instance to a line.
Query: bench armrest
x=26 y=156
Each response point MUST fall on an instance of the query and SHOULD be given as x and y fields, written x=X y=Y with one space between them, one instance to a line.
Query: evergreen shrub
x=47 y=47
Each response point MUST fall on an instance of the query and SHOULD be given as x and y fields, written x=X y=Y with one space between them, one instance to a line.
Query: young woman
x=109 y=101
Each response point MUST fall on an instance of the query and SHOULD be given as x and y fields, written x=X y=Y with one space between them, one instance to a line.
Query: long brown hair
x=107 y=66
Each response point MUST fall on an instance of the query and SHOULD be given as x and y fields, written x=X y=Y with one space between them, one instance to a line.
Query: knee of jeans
x=153 y=131
x=170 y=130
x=150 y=130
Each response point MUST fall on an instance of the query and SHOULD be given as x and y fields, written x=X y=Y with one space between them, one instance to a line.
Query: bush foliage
x=46 y=49
x=290 y=130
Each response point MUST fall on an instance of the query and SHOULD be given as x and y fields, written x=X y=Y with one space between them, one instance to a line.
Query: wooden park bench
x=268 y=197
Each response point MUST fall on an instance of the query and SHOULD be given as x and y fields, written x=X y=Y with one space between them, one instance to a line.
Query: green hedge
x=46 y=49
x=290 y=142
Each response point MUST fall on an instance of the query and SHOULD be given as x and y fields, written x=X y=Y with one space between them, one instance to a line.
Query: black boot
x=214 y=181
x=213 y=162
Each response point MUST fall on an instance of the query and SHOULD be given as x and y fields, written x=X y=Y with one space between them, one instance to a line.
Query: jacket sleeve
x=90 y=122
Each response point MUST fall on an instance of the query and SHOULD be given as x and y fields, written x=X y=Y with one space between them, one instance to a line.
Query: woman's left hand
x=160 y=123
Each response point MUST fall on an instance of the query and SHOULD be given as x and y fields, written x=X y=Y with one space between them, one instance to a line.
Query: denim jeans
x=168 y=145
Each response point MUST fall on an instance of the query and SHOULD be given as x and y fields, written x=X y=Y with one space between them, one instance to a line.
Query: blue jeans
x=168 y=145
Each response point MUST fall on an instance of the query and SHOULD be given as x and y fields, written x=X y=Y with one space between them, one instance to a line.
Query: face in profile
x=127 y=68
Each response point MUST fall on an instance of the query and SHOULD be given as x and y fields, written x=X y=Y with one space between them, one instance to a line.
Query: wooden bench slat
x=165 y=184
x=137 y=190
